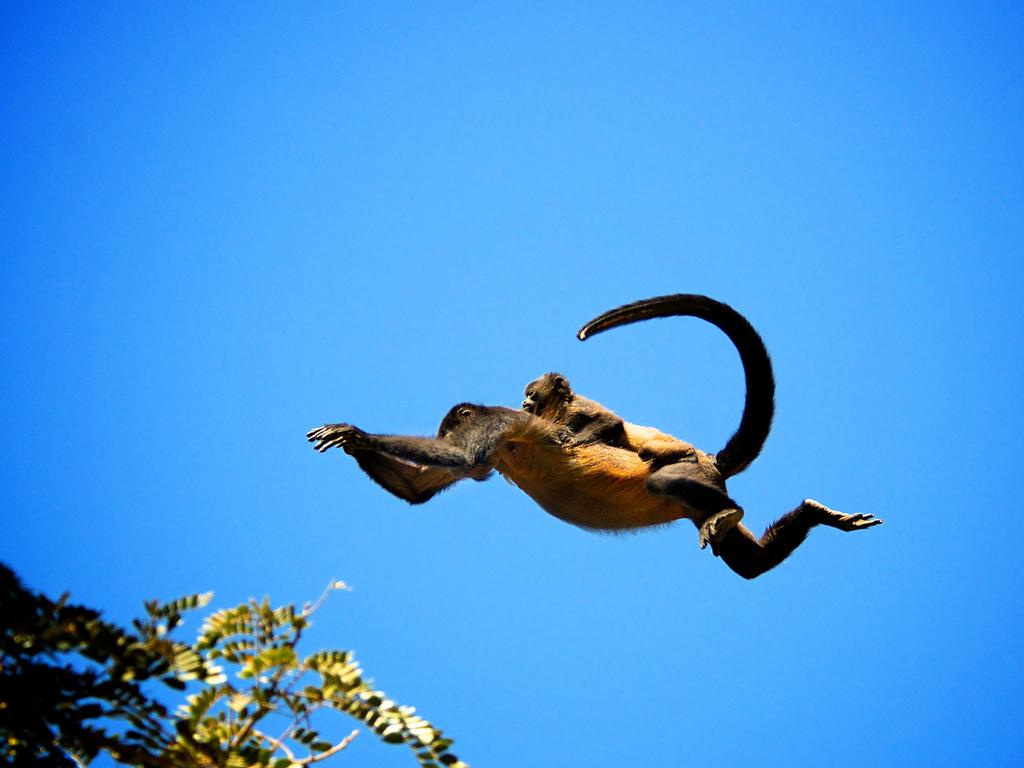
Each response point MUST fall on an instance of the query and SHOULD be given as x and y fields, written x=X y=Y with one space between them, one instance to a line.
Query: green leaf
x=424 y=735
x=313 y=693
x=239 y=701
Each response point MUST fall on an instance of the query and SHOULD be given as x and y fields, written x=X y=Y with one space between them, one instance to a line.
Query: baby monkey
x=582 y=420
x=585 y=421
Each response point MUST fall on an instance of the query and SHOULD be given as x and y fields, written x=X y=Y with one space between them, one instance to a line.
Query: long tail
x=759 y=406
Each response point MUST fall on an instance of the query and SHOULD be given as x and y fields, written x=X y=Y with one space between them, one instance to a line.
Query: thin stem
x=310 y=608
x=276 y=745
x=333 y=750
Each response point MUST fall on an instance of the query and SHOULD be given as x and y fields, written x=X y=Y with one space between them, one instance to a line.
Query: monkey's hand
x=566 y=438
x=838 y=520
x=344 y=436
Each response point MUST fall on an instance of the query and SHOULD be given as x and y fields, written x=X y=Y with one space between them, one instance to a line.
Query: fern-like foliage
x=73 y=686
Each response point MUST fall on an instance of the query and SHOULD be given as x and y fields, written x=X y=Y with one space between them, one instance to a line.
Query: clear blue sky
x=223 y=226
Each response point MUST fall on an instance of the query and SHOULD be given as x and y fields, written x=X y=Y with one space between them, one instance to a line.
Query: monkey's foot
x=714 y=529
x=838 y=520
x=330 y=435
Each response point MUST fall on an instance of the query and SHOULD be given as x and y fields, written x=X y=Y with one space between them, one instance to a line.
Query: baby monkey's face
x=544 y=395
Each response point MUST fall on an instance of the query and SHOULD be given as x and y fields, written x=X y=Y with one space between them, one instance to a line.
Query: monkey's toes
x=853 y=522
x=715 y=528
x=863 y=521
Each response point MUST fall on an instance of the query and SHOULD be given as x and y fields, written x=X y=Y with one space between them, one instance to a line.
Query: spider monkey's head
x=546 y=395
x=457 y=417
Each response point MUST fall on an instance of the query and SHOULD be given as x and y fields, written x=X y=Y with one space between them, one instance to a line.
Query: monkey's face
x=544 y=395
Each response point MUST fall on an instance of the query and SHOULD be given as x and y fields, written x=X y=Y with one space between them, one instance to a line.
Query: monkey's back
x=593 y=486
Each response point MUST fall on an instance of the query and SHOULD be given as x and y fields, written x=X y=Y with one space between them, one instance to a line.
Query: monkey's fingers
x=318 y=436
x=329 y=442
x=565 y=438
x=318 y=432
x=327 y=430
x=331 y=435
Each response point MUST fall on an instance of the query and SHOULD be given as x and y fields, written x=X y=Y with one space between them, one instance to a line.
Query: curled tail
x=759 y=406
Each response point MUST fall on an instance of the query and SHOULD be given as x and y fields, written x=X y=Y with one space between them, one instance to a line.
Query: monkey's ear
x=560 y=380
x=465 y=412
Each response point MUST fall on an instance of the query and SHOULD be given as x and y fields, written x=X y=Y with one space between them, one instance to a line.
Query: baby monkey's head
x=547 y=395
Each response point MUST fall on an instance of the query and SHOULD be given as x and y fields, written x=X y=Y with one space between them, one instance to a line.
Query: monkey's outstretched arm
x=426 y=451
x=468 y=438
x=417 y=468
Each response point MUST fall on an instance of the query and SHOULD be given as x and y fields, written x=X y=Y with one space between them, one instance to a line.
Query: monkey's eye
x=530 y=393
x=465 y=412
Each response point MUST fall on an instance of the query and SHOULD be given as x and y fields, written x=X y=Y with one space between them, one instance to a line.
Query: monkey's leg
x=750 y=557
x=685 y=482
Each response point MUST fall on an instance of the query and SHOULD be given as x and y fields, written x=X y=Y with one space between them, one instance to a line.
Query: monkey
x=551 y=397
x=603 y=487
